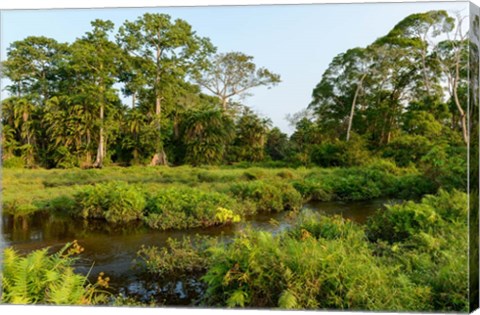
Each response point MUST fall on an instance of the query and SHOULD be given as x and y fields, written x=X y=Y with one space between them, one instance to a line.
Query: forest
x=389 y=121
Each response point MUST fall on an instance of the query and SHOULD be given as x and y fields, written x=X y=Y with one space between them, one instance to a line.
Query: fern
x=238 y=298
x=47 y=279
x=287 y=300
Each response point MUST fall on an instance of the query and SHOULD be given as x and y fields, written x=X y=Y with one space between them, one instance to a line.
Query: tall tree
x=337 y=95
x=95 y=58
x=170 y=51
x=452 y=56
x=33 y=67
x=416 y=33
x=233 y=74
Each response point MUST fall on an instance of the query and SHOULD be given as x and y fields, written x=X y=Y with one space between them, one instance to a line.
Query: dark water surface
x=112 y=250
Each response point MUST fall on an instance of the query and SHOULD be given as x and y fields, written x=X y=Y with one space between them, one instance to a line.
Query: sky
x=296 y=41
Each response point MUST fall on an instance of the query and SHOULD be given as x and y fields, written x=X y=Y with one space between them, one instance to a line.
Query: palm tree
x=207 y=132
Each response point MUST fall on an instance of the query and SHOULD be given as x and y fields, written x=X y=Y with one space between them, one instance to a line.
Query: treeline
x=403 y=97
x=65 y=107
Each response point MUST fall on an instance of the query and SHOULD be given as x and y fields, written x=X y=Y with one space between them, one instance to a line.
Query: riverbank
x=403 y=254
x=187 y=197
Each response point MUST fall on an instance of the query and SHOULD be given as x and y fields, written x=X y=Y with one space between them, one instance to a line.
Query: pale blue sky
x=296 y=41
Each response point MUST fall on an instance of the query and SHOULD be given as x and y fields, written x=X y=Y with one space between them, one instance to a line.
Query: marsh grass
x=194 y=196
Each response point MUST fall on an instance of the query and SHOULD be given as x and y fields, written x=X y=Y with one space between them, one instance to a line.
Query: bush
x=266 y=197
x=400 y=222
x=320 y=226
x=42 y=278
x=407 y=149
x=14 y=162
x=341 y=153
x=259 y=269
x=113 y=201
x=179 y=208
x=429 y=243
x=177 y=257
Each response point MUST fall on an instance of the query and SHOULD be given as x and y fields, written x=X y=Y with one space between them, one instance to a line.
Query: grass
x=185 y=197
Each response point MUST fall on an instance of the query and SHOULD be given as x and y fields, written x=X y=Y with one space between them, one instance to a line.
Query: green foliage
x=113 y=201
x=264 y=196
x=206 y=136
x=43 y=278
x=13 y=162
x=402 y=221
x=407 y=149
x=446 y=166
x=304 y=272
x=341 y=153
x=176 y=257
x=250 y=137
x=429 y=244
x=182 y=207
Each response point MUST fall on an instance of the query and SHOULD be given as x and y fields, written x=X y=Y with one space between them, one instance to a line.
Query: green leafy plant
x=43 y=278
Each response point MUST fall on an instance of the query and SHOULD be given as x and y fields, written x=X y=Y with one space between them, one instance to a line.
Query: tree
x=415 y=33
x=95 y=59
x=452 y=56
x=232 y=74
x=250 y=137
x=277 y=144
x=33 y=67
x=337 y=95
x=207 y=132
x=170 y=51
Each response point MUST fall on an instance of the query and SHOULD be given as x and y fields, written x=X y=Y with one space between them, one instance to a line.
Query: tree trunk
x=224 y=103
x=88 y=155
x=461 y=112
x=352 y=111
x=160 y=157
x=100 y=150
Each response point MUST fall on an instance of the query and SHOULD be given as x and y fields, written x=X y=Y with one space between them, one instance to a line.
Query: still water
x=112 y=250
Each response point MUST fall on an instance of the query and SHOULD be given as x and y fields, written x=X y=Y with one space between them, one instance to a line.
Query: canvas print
x=314 y=157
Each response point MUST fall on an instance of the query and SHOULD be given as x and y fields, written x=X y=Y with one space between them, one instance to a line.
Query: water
x=111 y=249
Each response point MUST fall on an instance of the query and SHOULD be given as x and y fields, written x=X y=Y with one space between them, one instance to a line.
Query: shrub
x=319 y=226
x=179 y=208
x=177 y=257
x=401 y=221
x=312 y=189
x=412 y=186
x=407 y=149
x=14 y=162
x=429 y=243
x=262 y=270
x=113 y=201
x=265 y=196
x=341 y=153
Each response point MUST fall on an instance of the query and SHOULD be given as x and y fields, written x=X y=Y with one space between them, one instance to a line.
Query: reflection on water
x=112 y=249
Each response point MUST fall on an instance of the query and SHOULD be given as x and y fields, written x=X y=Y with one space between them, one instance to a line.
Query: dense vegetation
x=387 y=120
x=410 y=257
x=403 y=97
x=185 y=197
